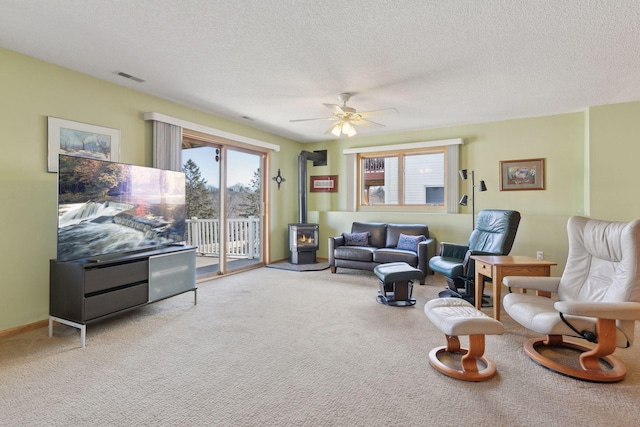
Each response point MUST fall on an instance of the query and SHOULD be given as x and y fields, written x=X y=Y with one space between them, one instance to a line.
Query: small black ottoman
x=396 y=283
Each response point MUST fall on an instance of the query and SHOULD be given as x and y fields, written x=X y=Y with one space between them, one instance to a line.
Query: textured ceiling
x=438 y=62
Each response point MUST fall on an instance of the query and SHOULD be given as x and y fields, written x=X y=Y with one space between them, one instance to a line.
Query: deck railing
x=243 y=236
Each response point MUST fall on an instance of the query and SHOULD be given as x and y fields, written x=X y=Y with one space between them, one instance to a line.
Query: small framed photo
x=326 y=183
x=82 y=140
x=525 y=174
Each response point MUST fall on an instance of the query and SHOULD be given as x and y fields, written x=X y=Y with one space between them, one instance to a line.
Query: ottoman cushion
x=455 y=316
x=397 y=272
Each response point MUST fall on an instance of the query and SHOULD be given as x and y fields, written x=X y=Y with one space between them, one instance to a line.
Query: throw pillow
x=409 y=243
x=356 y=239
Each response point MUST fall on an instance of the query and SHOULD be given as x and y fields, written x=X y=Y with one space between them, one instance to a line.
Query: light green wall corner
x=614 y=151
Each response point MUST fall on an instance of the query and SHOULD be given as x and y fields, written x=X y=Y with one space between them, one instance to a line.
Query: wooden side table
x=496 y=267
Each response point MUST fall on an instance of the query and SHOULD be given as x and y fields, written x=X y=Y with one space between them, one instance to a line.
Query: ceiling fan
x=346 y=117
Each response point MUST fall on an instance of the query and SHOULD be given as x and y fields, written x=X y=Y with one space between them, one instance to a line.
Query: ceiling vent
x=129 y=76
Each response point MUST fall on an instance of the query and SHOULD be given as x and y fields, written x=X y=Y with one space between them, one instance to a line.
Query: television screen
x=107 y=208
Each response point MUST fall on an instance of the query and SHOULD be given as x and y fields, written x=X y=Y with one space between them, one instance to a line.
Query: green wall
x=614 y=152
x=30 y=91
x=558 y=139
x=590 y=170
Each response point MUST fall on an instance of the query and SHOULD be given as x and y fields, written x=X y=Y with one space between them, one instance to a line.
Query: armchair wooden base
x=590 y=359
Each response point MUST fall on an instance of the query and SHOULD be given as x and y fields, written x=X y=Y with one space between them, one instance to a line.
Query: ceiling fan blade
x=335 y=108
x=306 y=120
x=367 y=123
x=372 y=113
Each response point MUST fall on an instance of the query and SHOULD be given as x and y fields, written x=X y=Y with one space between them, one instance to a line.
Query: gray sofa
x=384 y=244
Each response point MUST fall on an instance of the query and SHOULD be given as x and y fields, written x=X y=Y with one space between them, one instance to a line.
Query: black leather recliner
x=494 y=234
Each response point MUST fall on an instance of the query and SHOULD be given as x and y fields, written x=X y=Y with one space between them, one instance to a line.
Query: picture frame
x=324 y=184
x=82 y=140
x=527 y=174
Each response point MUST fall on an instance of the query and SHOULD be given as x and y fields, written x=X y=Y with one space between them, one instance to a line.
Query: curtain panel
x=167 y=146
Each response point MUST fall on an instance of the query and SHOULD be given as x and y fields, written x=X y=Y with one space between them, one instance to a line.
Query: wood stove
x=303 y=243
x=303 y=237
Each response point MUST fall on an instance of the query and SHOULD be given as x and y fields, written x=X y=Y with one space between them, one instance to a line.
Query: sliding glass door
x=243 y=208
x=224 y=206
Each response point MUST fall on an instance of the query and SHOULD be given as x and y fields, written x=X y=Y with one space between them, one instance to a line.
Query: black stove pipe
x=303 y=157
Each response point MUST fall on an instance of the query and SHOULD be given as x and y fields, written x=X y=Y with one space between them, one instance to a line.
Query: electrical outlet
x=540 y=255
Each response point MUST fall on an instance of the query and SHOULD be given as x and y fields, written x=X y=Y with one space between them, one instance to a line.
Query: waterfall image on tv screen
x=107 y=208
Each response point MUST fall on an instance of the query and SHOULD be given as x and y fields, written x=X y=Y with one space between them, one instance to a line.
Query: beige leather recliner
x=598 y=299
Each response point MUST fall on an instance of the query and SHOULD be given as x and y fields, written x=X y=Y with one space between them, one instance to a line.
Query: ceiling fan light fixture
x=348 y=129
x=336 y=129
x=347 y=117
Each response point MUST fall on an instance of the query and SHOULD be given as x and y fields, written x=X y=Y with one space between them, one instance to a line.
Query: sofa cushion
x=410 y=243
x=355 y=253
x=377 y=232
x=386 y=255
x=394 y=231
x=356 y=239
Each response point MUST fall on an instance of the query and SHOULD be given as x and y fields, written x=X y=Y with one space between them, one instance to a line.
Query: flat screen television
x=109 y=208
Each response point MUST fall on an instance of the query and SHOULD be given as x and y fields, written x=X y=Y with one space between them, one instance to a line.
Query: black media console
x=86 y=291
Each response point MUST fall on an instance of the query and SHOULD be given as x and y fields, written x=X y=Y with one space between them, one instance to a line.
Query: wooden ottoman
x=396 y=283
x=454 y=317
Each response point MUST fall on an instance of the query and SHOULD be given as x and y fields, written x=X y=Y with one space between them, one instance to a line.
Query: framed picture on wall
x=82 y=140
x=326 y=183
x=525 y=174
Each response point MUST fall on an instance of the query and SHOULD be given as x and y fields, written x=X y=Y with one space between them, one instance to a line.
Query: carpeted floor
x=270 y=347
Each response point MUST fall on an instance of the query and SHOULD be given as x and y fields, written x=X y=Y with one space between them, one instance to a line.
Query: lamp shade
x=463 y=173
x=348 y=129
x=335 y=129
x=463 y=200
x=481 y=186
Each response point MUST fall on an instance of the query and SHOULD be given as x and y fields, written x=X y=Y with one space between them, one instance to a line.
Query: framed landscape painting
x=82 y=140
x=525 y=174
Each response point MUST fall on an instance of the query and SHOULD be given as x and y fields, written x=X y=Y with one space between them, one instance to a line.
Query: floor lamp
x=486 y=300
x=465 y=198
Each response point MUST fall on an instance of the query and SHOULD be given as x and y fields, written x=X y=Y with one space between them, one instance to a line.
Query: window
x=382 y=186
x=404 y=178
